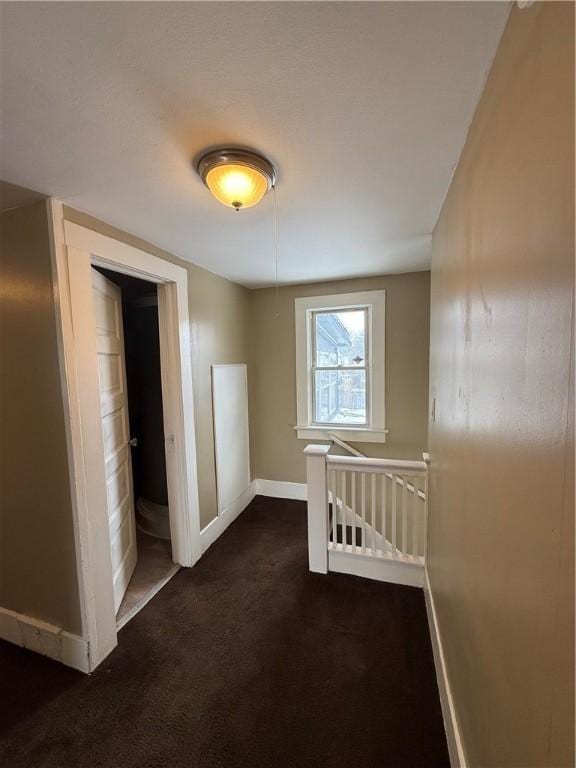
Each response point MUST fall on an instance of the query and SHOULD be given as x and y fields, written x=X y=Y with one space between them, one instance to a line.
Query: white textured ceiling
x=363 y=107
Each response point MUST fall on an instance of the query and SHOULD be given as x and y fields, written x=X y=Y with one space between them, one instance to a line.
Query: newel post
x=318 y=518
x=426 y=458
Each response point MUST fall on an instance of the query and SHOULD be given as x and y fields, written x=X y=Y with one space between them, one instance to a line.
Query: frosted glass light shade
x=237 y=186
x=237 y=178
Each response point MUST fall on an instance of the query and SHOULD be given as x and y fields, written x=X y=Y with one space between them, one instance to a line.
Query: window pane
x=340 y=397
x=340 y=338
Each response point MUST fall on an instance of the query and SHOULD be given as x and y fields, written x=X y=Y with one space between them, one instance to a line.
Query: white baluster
x=333 y=489
x=363 y=504
x=415 y=517
x=384 y=511
x=405 y=516
x=336 y=507
x=344 y=512
x=373 y=510
x=394 y=515
x=353 y=509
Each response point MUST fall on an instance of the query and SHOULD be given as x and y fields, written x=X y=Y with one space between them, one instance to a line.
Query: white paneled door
x=115 y=431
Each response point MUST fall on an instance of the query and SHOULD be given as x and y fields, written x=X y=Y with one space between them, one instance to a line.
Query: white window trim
x=303 y=308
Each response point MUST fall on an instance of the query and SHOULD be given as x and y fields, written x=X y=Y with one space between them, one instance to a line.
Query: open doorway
x=77 y=252
x=140 y=537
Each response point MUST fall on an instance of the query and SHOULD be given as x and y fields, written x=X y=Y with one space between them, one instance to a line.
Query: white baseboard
x=46 y=639
x=278 y=489
x=273 y=488
x=216 y=527
x=453 y=735
x=377 y=568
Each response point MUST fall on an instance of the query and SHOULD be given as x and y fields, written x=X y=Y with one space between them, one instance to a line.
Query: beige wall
x=501 y=540
x=219 y=333
x=37 y=556
x=278 y=450
x=228 y=324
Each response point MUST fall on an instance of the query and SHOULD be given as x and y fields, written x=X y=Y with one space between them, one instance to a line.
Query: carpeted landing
x=247 y=660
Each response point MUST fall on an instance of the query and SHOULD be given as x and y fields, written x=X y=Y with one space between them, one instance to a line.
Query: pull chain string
x=276 y=296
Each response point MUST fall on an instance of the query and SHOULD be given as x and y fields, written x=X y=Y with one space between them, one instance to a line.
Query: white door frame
x=74 y=250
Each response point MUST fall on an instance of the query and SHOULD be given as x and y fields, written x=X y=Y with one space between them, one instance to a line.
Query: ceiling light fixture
x=237 y=178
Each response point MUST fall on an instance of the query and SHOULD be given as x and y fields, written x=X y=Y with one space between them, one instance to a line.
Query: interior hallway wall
x=37 y=555
x=278 y=450
x=38 y=574
x=501 y=531
x=219 y=333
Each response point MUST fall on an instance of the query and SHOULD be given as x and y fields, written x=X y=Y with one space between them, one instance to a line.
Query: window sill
x=353 y=434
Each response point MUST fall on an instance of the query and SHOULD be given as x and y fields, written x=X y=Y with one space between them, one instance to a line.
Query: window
x=340 y=366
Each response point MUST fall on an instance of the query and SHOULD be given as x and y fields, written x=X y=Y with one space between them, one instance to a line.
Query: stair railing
x=375 y=508
x=354 y=452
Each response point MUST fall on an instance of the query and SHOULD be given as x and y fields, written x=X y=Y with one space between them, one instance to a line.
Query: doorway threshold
x=154 y=570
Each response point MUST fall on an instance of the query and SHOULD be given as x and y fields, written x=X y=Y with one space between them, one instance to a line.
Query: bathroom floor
x=153 y=570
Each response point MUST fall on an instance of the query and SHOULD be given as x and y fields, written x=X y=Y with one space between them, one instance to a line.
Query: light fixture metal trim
x=231 y=156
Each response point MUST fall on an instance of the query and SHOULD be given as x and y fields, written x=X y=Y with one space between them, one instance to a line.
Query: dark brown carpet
x=246 y=660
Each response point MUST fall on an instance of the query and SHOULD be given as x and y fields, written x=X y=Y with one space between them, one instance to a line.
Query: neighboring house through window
x=340 y=366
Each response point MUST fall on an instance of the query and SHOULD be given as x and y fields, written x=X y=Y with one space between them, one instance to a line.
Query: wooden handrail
x=364 y=464
x=399 y=480
x=346 y=447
